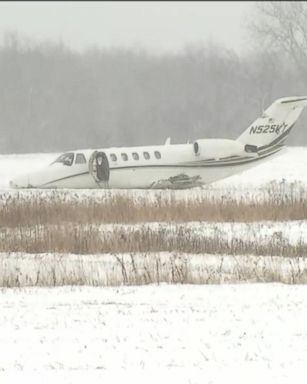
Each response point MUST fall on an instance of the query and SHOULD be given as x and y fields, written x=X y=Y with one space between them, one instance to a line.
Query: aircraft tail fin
x=267 y=134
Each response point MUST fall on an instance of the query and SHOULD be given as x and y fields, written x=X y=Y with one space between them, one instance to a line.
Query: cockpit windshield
x=65 y=159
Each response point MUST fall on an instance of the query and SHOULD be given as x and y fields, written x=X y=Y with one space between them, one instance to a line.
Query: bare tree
x=281 y=27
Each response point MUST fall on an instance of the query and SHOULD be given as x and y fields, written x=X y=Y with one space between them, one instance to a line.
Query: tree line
x=53 y=98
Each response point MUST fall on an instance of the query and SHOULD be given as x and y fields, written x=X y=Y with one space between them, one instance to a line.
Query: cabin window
x=124 y=156
x=135 y=156
x=80 y=159
x=113 y=157
x=65 y=159
x=158 y=155
x=146 y=155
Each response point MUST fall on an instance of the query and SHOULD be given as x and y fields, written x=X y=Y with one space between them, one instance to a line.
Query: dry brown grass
x=119 y=209
x=40 y=226
x=55 y=226
x=91 y=240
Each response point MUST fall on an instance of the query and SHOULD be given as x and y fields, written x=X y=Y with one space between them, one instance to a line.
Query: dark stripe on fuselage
x=220 y=161
x=293 y=101
x=278 y=139
x=272 y=150
x=228 y=158
x=66 y=177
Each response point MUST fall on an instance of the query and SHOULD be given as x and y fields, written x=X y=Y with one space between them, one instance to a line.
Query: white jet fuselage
x=174 y=166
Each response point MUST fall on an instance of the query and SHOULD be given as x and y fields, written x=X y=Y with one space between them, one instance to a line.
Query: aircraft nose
x=20 y=182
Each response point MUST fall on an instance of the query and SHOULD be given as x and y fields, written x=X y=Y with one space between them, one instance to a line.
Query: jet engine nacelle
x=220 y=148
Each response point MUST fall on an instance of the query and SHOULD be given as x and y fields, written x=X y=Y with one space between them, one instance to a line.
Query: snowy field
x=284 y=175
x=182 y=334
x=207 y=333
x=55 y=269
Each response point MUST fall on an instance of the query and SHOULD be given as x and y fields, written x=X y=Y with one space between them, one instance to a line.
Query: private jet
x=172 y=166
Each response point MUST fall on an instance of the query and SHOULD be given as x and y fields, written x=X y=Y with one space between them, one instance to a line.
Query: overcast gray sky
x=155 y=26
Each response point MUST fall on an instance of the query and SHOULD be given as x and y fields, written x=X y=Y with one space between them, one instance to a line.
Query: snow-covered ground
x=182 y=334
x=286 y=174
x=243 y=333
x=54 y=269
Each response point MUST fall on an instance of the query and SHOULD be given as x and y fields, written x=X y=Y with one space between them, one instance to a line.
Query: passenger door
x=99 y=168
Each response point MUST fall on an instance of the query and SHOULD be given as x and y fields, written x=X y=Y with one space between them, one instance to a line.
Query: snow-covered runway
x=225 y=333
